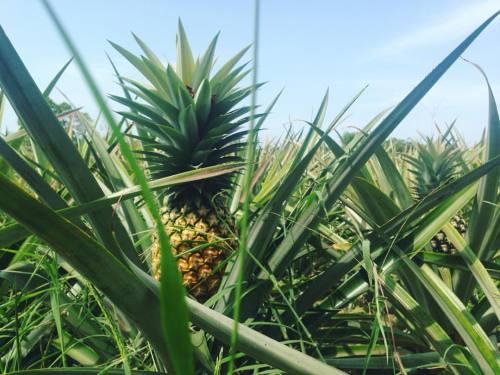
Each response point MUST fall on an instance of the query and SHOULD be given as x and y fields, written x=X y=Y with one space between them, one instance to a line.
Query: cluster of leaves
x=338 y=274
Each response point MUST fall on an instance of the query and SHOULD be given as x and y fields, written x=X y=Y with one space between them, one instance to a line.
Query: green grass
x=334 y=272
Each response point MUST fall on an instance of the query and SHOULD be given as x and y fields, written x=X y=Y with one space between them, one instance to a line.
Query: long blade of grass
x=174 y=310
x=258 y=126
x=2 y=106
x=247 y=182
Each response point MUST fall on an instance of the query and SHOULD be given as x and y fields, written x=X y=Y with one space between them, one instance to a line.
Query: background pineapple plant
x=188 y=119
x=435 y=163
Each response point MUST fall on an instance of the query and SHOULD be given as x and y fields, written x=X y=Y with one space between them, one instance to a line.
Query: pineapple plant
x=435 y=164
x=187 y=118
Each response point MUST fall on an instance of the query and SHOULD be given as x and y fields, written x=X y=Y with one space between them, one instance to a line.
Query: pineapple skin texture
x=201 y=239
x=440 y=243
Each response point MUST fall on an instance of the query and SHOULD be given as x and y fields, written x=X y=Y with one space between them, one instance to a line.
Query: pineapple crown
x=186 y=117
x=435 y=164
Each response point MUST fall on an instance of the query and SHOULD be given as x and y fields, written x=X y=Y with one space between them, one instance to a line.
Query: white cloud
x=442 y=29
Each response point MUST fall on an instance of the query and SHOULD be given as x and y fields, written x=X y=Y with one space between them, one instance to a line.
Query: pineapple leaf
x=350 y=167
x=378 y=205
x=203 y=68
x=476 y=267
x=301 y=229
x=188 y=124
x=156 y=100
x=484 y=226
x=221 y=88
x=262 y=230
x=203 y=100
x=138 y=63
x=184 y=97
x=414 y=312
x=155 y=128
x=150 y=112
x=159 y=77
x=46 y=132
x=56 y=78
x=185 y=62
x=149 y=53
x=228 y=67
x=174 y=84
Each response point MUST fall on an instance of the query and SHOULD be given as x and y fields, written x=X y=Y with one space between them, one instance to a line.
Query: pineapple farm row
x=179 y=242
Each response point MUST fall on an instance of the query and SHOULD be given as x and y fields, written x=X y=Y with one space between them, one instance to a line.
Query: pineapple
x=436 y=164
x=186 y=119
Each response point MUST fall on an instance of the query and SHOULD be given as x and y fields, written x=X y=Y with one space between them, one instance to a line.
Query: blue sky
x=305 y=48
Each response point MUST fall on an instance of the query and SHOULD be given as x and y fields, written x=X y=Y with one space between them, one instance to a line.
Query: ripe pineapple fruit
x=201 y=239
x=435 y=164
x=187 y=119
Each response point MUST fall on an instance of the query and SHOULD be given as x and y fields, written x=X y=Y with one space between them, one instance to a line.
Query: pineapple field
x=179 y=240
